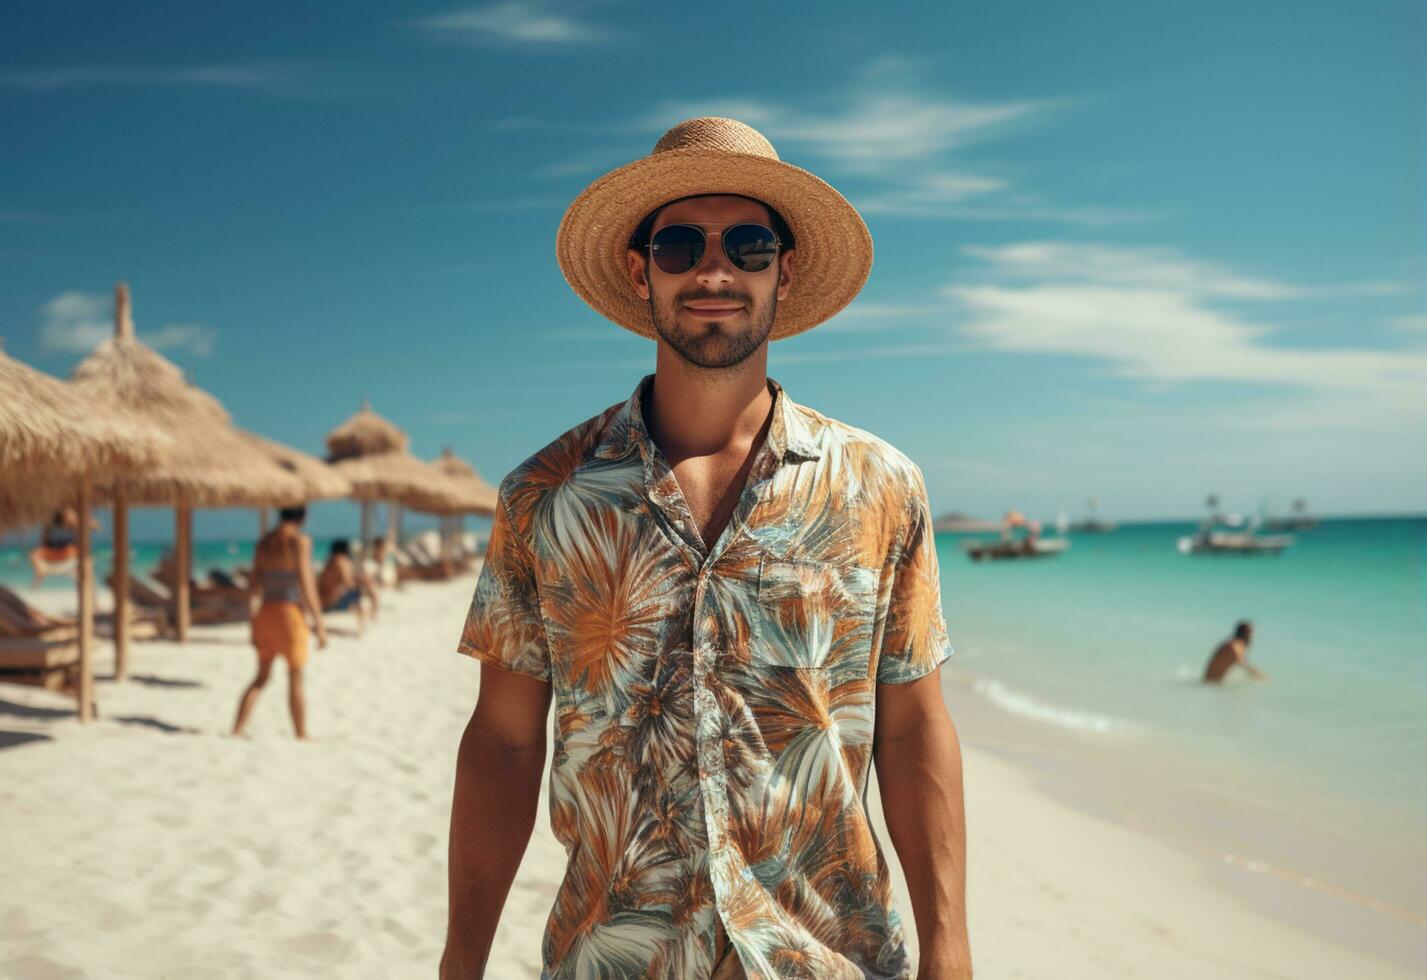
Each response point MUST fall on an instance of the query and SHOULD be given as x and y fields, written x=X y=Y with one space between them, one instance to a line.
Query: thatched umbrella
x=372 y=453
x=209 y=465
x=478 y=496
x=54 y=443
x=319 y=481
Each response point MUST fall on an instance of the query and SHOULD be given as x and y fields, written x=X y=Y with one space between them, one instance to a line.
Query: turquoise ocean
x=1103 y=647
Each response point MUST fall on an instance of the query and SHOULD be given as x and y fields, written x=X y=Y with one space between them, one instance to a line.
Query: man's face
x=715 y=315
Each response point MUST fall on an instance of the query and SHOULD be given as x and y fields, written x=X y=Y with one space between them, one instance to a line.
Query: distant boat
x=1207 y=541
x=1297 y=520
x=1210 y=539
x=1006 y=546
x=1023 y=548
x=1092 y=524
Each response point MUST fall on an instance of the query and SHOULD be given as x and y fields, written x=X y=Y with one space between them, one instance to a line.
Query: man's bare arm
x=1242 y=655
x=918 y=761
x=498 y=770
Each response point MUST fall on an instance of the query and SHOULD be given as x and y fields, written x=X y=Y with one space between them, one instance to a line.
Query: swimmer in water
x=1234 y=650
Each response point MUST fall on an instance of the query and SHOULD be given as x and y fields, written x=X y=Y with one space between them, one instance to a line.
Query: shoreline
x=1306 y=874
x=153 y=843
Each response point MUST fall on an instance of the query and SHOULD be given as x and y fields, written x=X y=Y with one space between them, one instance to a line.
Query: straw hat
x=714 y=156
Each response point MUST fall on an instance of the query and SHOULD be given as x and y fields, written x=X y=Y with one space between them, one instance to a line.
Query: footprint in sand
x=401 y=934
x=327 y=947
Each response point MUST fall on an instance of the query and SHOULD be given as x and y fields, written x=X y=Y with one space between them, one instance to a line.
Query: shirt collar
x=789 y=434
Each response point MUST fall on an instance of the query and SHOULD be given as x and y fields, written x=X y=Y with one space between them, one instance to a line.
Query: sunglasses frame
x=777 y=246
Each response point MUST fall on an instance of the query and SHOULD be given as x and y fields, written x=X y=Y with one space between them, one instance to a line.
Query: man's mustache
x=727 y=295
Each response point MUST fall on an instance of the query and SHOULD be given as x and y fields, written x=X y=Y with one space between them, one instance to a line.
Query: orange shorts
x=279 y=628
x=54 y=554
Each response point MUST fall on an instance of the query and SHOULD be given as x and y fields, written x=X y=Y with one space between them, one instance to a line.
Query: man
x=1234 y=650
x=733 y=602
x=340 y=587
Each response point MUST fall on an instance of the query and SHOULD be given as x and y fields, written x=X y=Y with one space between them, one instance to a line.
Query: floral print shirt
x=714 y=705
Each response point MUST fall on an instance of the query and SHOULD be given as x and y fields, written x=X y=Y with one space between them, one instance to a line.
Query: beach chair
x=203 y=611
x=415 y=561
x=215 y=592
x=20 y=619
x=49 y=663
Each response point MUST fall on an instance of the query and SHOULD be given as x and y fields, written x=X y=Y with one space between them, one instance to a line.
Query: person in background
x=282 y=578
x=380 y=568
x=59 y=544
x=1234 y=650
x=340 y=587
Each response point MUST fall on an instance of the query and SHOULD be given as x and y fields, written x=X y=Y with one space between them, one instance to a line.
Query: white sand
x=152 y=844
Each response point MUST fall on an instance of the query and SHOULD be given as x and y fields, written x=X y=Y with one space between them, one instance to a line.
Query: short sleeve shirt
x=714 y=706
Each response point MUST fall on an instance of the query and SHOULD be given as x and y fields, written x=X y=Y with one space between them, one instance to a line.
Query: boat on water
x=1027 y=547
x=1239 y=538
x=1207 y=541
x=1032 y=545
x=1092 y=523
x=1299 y=519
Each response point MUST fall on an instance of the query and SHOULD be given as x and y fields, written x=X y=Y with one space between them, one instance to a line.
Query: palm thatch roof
x=209 y=463
x=365 y=434
x=479 y=497
x=320 y=481
x=51 y=435
x=371 y=453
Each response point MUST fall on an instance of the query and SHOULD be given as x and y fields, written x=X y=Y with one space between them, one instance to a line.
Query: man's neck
x=695 y=412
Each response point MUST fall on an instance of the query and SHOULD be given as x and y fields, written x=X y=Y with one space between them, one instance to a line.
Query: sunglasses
x=678 y=248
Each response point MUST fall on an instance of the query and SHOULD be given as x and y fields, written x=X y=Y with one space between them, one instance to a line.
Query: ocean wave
x=1026 y=706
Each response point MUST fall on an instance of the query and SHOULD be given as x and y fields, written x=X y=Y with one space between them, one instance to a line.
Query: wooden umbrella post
x=262 y=521
x=366 y=529
x=393 y=533
x=121 y=588
x=183 y=531
x=393 y=525
x=85 y=692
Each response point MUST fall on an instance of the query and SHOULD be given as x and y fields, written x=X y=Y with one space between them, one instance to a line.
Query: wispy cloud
x=1152 y=267
x=76 y=323
x=268 y=76
x=870 y=131
x=893 y=143
x=1416 y=323
x=515 y=23
x=1156 y=315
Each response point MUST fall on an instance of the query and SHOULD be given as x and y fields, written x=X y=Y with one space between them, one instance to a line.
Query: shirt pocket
x=811 y=615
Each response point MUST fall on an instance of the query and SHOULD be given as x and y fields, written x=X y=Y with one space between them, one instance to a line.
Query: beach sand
x=153 y=844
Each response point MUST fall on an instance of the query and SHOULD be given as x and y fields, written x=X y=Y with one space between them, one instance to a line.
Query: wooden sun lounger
x=415 y=560
x=203 y=610
x=200 y=592
x=51 y=664
x=20 y=619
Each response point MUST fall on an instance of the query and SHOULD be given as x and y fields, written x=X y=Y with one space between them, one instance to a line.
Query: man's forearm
x=920 y=777
x=492 y=814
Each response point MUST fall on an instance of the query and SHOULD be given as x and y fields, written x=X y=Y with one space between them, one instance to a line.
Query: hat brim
x=833 y=244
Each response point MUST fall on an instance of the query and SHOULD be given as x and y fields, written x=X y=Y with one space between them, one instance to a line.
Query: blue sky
x=1123 y=250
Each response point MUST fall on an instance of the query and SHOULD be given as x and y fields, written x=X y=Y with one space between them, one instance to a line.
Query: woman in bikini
x=282 y=578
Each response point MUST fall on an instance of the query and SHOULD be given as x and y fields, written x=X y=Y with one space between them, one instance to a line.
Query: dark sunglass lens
x=677 y=248
x=750 y=247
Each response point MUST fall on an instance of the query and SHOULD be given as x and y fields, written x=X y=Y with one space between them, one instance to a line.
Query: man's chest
x=710 y=488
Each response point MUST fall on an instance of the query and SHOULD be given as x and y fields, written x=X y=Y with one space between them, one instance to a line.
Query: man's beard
x=715 y=345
